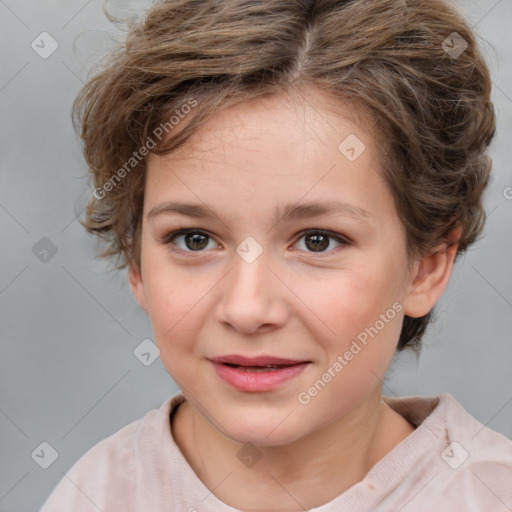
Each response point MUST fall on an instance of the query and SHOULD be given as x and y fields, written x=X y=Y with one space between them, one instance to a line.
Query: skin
x=290 y=302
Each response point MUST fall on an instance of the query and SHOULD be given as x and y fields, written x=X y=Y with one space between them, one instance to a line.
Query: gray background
x=69 y=328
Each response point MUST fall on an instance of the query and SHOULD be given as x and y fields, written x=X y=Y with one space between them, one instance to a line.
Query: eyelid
x=167 y=239
x=343 y=240
x=339 y=237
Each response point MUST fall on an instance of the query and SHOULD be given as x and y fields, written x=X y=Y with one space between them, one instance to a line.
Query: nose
x=253 y=297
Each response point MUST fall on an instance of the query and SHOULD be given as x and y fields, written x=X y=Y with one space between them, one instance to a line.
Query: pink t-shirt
x=451 y=462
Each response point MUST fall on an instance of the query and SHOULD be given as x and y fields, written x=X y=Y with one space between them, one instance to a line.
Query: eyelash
x=343 y=240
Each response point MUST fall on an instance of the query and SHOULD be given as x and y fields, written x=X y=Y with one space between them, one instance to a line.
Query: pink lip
x=263 y=360
x=245 y=380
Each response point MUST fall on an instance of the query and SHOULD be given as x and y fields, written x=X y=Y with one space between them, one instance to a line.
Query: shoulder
x=106 y=475
x=479 y=459
x=446 y=420
x=461 y=463
x=470 y=440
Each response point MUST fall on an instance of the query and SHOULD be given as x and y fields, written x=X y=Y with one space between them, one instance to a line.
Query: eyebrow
x=290 y=211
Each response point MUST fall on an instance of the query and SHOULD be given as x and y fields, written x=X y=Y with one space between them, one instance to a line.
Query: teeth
x=270 y=367
x=260 y=369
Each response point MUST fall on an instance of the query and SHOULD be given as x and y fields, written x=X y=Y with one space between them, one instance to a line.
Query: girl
x=289 y=184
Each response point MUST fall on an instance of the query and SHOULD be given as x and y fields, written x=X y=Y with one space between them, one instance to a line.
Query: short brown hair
x=404 y=61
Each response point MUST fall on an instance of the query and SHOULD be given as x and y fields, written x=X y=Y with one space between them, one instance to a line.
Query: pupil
x=196 y=240
x=317 y=244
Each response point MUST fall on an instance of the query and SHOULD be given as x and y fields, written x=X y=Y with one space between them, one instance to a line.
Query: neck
x=308 y=472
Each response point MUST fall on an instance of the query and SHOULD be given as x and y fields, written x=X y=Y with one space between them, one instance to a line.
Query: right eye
x=193 y=239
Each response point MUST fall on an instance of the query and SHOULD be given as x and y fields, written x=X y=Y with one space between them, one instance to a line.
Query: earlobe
x=137 y=286
x=431 y=276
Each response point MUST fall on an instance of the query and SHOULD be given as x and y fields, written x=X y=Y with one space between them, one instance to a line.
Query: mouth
x=256 y=362
x=257 y=374
x=266 y=368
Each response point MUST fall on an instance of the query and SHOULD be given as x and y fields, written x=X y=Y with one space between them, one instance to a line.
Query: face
x=329 y=288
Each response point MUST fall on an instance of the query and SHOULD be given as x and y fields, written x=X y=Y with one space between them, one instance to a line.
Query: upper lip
x=255 y=361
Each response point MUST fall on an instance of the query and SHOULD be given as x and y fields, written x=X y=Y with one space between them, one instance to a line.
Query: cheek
x=174 y=322
x=171 y=297
x=173 y=312
x=363 y=311
x=366 y=318
x=355 y=299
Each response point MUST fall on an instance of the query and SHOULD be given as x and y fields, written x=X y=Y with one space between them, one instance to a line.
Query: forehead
x=273 y=150
x=310 y=117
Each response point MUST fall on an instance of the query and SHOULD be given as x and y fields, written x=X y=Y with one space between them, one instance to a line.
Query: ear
x=430 y=276
x=137 y=286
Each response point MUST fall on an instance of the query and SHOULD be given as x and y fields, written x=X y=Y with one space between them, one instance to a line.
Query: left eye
x=316 y=240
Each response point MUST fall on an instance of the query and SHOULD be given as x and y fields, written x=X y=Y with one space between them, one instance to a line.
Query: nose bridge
x=250 y=274
x=250 y=267
x=250 y=295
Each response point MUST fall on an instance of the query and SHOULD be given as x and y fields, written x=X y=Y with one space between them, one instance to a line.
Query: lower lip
x=257 y=380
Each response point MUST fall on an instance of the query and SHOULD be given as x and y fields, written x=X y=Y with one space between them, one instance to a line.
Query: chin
x=263 y=431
